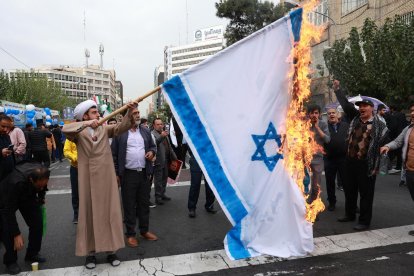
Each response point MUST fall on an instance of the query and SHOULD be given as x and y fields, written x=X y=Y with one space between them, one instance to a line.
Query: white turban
x=81 y=109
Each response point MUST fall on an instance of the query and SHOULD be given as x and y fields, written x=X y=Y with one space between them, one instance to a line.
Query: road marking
x=208 y=261
x=68 y=191
x=60 y=176
x=379 y=259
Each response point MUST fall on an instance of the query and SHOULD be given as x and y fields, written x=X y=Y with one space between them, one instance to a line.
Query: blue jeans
x=196 y=176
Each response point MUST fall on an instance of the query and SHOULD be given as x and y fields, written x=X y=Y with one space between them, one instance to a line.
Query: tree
x=32 y=88
x=164 y=113
x=377 y=61
x=247 y=16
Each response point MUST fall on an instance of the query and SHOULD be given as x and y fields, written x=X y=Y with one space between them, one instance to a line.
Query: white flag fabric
x=232 y=108
x=172 y=134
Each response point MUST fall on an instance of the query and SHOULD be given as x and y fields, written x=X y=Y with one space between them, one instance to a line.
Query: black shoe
x=152 y=204
x=402 y=183
x=361 y=227
x=192 y=213
x=35 y=259
x=113 y=260
x=345 y=219
x=166 y=198
x=13 y=269
x=75 y=221
x=411 y=233
x=90 y=262
x=211 y=210
x=331 y=207
x=340 y=188
x=159 y=202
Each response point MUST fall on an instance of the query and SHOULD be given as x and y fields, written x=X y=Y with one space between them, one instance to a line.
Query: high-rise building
x=159 y=78
x=119 y=88
x=207 y=42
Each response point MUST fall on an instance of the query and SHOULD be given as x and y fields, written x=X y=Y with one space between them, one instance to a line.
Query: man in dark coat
x=335 y=150
x=133 y=152
x=6 y=156
x=366 y=134
x=24 y=190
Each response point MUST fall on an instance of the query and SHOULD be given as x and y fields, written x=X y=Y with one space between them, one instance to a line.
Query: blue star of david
x=260 y=153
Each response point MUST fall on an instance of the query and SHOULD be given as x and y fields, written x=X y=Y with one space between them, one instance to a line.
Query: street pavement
x=190 y=246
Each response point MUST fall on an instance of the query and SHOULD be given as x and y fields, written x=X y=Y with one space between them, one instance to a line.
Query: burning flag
x=234 y=109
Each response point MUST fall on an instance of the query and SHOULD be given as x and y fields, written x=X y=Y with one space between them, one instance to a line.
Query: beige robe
x=100 y=226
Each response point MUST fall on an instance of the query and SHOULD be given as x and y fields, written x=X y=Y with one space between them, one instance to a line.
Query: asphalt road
x=179 y=234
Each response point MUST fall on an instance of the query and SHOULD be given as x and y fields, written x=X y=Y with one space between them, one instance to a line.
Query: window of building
x=351 y=5
x=106 y=76
x=407 y=17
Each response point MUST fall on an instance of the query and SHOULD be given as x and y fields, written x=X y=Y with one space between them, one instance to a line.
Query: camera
x=10 y=147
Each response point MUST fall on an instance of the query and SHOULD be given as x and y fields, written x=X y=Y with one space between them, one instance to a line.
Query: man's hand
x=132 y=106
x=18 y=242
x=164 y=133
x=335 y=85
x=5 y=152
x=149 y=155
x=384 y=150
x=91 y=123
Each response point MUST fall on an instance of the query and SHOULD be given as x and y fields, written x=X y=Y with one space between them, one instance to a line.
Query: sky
x=134 y=34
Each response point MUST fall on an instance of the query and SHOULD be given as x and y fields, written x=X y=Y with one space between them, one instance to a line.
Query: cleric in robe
x=100 y=219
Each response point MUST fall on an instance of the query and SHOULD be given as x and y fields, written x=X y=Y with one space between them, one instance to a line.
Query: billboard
x=215 y=32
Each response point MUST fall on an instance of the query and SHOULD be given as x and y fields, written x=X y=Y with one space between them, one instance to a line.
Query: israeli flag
x=232 y=109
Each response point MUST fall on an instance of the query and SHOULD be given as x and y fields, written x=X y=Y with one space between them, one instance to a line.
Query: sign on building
x=215 y=32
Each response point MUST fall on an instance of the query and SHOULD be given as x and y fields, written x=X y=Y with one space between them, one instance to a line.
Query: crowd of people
x=132 y=155
x=353 y=146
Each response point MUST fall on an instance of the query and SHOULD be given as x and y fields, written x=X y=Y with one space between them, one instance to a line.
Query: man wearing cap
x=100 y=218
x=366 y=134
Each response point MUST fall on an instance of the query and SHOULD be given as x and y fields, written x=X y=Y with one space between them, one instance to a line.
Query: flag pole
x=125 y=107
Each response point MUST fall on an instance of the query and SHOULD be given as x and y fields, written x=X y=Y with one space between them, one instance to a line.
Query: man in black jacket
x=38 y=143
x=334 y=158
x=24 y=190
x=367 y=133
x=6 y=156
x=133 y=152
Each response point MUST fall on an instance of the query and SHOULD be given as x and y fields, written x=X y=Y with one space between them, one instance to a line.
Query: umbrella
x=376 y=102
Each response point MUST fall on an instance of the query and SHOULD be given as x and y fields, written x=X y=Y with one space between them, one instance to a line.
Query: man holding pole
x=100 y=218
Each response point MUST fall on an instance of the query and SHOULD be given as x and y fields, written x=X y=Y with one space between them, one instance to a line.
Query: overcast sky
x=133 y=32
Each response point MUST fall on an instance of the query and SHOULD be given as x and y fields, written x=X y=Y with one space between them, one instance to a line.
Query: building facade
x=80 y=83
x=119 y=88
x=207 y=42
x=340 y=16
x=158 y=98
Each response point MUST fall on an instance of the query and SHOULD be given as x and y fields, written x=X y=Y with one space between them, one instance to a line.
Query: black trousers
x=42 y=157
x=32 y=215
x=357 y=180
x=196 y=176
x=136 y=191
x=333 y=167
x=75 y=191
x=409 y=176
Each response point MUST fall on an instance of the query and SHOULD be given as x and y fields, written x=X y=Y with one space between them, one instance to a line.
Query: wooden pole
x=125 y=107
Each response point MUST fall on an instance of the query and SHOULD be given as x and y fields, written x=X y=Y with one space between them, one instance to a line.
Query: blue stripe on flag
x=296 y=21
x=235 y=245
x=198 y=135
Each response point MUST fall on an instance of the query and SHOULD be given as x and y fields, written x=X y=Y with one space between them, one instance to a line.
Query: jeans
x=196 y=176
x=333 y=167
x=73 y=171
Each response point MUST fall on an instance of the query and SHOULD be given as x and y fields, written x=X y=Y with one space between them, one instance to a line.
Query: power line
x=14 y=57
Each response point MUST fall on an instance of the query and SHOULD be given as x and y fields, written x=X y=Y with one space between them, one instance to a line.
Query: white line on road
x=379 y=259
x=60 y=176
x=200 y=262
x=68 y=191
